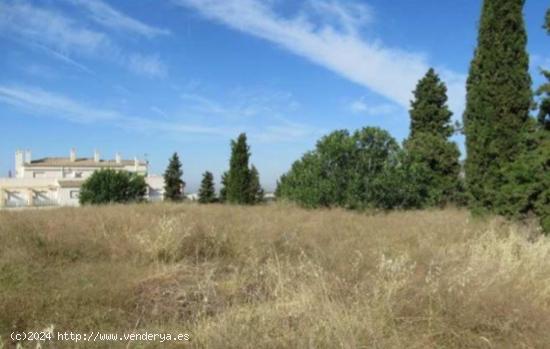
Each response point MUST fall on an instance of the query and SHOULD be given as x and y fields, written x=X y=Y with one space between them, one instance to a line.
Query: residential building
x=56 y=181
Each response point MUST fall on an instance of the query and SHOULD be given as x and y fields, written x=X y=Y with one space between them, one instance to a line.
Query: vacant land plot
x=274 y=277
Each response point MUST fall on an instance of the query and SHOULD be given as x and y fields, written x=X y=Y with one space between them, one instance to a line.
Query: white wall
x=68 y=196
x=156 y=188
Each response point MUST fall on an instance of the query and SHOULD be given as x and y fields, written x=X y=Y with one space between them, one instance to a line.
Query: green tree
x=238 y=177
x=403 y=183
x=302 y=183
x=526 y=187
x=111 y=186
x=173 y=184
x=355 y=171
x=223 y=190
x=440 y=161
x=207 y=192
x=374 y=152
x=498 y=99
x=544 y=90
x=256 y=191
x=429 y=111
x=429 y=144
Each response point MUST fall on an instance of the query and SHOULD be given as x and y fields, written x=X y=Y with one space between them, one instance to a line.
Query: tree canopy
x=207 y=192
x=499 y=97
x=173 y=183
x=110 y=186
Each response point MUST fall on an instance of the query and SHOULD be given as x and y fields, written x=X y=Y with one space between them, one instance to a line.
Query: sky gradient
x=147 y=78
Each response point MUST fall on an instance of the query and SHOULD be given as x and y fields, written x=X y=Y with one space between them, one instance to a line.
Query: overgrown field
x=275 y=276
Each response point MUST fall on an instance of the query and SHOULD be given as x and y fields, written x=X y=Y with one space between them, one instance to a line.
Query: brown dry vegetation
x=275 y=277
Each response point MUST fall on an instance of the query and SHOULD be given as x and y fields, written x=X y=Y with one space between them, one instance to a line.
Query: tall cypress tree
x=498 y=99
x=207 y=193
x=238 y=177
x=173 y=184
x=544 y=90
x=429 y=144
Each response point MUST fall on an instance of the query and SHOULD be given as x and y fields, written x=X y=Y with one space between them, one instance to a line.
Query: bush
x=111 y=186
x=366 y=169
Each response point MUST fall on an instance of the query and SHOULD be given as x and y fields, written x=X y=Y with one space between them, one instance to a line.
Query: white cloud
x=243 y=104
x=64 y=38
x=390 y=72
x=348 y=16
x=39 y=102
x=150 y=66
x=361 y=106
x=286 y=131
x=107 y=16
x=48 y=28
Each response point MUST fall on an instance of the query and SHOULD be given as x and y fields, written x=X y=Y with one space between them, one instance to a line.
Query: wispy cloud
x=105 y=15
x=64 y=38
x=40 y=102
x=336 y=45
x=244 y=104
x=158 y=111
x=49 y=28
x=286 y=131
x=148 y=65
x=40 y=71
x=361 y=106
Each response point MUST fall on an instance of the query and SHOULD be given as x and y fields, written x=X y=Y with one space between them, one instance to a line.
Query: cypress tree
x=255 y=189
x=223 y=190
x=429 y=145
x=429 y=111
x=238 y=177
x=544 y=90
x=173 y=184
x=544 y=107
x=207 y=193
x=498 y=99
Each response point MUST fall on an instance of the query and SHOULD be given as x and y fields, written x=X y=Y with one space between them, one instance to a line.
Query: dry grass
x=275 y=277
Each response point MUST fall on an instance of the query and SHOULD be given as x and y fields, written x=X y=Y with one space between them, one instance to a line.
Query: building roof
x=80 y=162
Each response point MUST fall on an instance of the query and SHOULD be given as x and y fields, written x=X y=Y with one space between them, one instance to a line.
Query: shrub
x=111 y=186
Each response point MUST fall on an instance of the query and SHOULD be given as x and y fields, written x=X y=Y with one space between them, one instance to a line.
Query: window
x=78 y=175
x=74 y=194
x=38 y=174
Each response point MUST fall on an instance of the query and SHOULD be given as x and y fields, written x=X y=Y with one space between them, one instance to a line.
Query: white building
x=56 y=181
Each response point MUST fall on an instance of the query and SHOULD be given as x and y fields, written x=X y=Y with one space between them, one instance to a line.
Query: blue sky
x=153 y=77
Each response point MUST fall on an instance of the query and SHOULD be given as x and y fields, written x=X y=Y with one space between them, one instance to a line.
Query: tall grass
x=275 y=277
